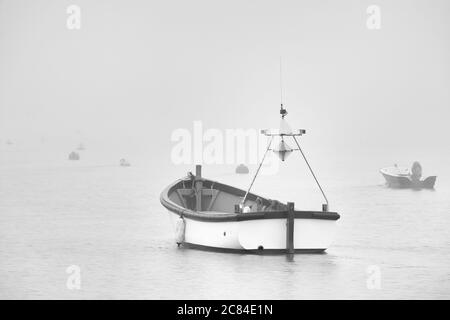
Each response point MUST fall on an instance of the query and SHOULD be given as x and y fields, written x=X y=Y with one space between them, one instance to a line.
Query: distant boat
x=242 y=169
x=124 y=163
x=404 y=177
x=81 y=147
x=74 y=156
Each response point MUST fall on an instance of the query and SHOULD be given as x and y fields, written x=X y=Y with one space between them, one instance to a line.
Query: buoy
x=180 y=227
x=242 y=169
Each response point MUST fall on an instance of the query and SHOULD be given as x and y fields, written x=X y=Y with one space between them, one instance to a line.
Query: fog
x=137 y=70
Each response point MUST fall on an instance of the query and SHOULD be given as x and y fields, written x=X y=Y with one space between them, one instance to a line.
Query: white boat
x=404 y=177
x=206 y=214
x=211 y=215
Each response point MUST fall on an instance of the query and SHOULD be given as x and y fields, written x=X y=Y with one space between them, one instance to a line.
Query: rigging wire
x=257 y=171
x=310 y=169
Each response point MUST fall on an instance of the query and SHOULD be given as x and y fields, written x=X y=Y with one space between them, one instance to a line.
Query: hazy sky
x=141 y=69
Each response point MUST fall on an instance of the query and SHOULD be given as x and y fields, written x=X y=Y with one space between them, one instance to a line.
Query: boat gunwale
x=385 y=171
x=224 y=217
x=406 y=178
x=189 y=245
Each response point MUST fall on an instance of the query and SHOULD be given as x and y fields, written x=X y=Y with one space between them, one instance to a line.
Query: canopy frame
x=281 y=134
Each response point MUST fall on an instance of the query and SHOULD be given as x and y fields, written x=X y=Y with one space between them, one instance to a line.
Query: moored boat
x=404 y=177
x=124 y=163
x=213 y=215
x=206 y=214
x=74 y=156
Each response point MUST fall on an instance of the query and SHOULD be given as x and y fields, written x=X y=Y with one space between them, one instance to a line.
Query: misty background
x=137 y=70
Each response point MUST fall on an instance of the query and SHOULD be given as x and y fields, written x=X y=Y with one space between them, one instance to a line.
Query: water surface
x=108 y=221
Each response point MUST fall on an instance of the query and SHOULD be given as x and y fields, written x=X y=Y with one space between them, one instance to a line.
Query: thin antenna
x=281 y=85
x=283 y=111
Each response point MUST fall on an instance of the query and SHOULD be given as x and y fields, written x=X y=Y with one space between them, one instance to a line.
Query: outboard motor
x=416 y=171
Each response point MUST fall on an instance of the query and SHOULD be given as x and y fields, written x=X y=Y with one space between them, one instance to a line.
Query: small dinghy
x=213 y=215
x=404 y=177
x=74 y=156
x=242 y=169
x=124 y=163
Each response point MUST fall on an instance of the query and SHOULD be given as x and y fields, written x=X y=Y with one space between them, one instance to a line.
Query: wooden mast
x=198 y=187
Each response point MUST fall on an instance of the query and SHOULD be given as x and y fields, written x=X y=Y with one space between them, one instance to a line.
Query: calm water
x=108 y=221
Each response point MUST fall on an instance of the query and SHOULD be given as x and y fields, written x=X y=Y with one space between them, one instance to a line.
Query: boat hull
x=261 y=235
x=207 y=214
x=404 y=182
